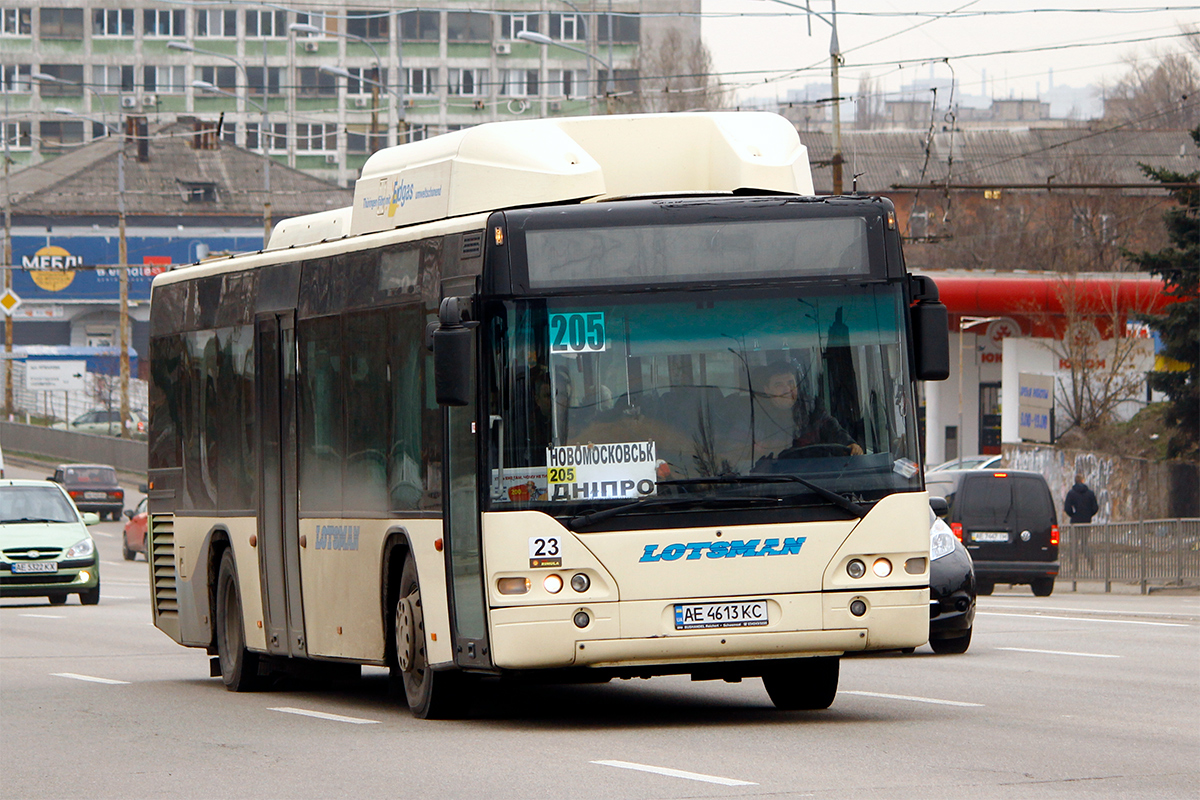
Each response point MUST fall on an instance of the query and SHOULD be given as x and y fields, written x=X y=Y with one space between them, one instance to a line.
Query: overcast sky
x=886 y=38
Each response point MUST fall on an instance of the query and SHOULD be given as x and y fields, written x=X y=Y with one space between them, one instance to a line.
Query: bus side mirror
x=453 y=344
x=939 y=506
x=931 y=340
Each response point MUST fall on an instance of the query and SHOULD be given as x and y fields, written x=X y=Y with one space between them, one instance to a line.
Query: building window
x=360 y=80
x=266 y=24
x=62 y=23
x=14 y=78
x=626 y=29
x=163 y=80
x=16 y=22
x=320 y=21
x=315 y=138
x=567 y=27
x=213 y=23
x=163 y=22
x=112 y=22
x=417 y=133
x=18 y=134
x=372 y=24
x=466 y=82
x=512 y=24
x=421 y=81
x=111 y=80
x=63 y=133
x=314 y=83
x=359 y=139
x=71 y=74
x=566 y=83
x=254 y=75
x=464 y=26
x=276 y=140
x=624 y=80
x=519 y=82
x=221 y=77
x=198 y=192
x=229 y=132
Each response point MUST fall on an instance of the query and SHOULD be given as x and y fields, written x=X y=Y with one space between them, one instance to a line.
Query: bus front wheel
x=239 y=666
x=430 y=694
x=802 y=684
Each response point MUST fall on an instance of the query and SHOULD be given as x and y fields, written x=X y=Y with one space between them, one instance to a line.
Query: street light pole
x=122 y=249
x=262 y=131
x=963 y=324
x=8 y=321
x=545 y=41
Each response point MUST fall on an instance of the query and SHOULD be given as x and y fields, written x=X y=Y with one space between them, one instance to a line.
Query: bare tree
x=870 y=108
x=675 y=74
x=1160 y=91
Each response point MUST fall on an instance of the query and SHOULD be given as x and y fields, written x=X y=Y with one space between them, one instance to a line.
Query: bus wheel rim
x=405 y=635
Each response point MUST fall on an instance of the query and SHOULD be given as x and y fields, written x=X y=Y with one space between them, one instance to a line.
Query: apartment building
x=319 y=86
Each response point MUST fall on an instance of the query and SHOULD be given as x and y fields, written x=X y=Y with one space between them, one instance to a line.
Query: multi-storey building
x=319 y=85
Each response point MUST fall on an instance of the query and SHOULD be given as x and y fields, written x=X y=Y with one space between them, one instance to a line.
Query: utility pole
x=8 y=321
x=123 y=283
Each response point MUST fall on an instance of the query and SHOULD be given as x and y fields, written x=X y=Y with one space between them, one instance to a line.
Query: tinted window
x=987 y=501
x=100 y=476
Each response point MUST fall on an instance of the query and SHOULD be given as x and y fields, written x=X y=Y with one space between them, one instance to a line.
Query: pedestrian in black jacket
x=1080 y=504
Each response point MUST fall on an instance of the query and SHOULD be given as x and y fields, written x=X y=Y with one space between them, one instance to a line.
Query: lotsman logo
x=734 y=549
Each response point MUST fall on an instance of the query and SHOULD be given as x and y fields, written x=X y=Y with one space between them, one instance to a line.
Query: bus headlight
x=553 y=583
x=512 y=585
x=856 y=569
x=882 y=568
x=580 y=582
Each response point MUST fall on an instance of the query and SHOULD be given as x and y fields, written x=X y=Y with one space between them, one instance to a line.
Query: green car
x=45 y=547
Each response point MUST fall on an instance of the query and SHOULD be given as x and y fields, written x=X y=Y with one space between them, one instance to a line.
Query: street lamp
x=835 y=60
x=122 y=246
x=542 y=39
x=263 y=130
x=965 y=323
x=313 y=30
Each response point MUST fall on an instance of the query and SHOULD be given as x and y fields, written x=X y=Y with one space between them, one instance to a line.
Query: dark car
x=133 y=539
x=1007 y=521
x=951 y=587
x=93 y=487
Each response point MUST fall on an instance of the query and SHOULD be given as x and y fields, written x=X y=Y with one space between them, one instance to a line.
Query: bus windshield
x=607 y=400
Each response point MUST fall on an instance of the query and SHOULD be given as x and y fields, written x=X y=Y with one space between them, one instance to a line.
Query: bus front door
x=278 y=534
x=462 y=535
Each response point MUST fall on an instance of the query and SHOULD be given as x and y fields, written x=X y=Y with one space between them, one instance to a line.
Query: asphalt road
x=1075 y=695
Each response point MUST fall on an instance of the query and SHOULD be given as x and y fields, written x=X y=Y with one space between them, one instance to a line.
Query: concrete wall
x=68 y=447
x=1128 y=489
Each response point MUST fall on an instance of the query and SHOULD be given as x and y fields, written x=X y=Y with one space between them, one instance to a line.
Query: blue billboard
x=51 y=268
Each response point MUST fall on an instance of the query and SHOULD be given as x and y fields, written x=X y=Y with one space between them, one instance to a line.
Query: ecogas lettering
x=693 y=551
x=401 y=193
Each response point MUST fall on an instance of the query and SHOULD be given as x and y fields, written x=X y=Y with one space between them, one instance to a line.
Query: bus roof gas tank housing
x=573 y=159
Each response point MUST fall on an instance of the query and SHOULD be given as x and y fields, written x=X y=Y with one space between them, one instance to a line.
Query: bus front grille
x=162 y=559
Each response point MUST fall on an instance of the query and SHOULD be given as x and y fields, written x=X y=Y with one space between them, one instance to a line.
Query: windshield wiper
x=592 y=517
x=28 y=519
x=838 y=500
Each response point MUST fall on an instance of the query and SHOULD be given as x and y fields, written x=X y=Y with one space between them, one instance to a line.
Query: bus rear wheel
x=802 y=684
x=239 y=666
x=430 y=694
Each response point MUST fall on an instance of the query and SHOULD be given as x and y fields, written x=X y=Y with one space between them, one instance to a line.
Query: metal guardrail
x=1160 y=552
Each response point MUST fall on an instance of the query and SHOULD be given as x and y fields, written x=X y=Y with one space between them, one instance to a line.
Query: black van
x=1007 y=520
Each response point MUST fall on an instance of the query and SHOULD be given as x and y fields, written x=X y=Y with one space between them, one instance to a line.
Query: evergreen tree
x=1179 y=326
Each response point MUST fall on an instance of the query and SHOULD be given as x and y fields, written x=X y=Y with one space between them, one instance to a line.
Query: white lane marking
x=1025 y=606
x=89 y=678
x=119 y=597
x=931 y=700
x=105 y=535
x=113 y=563
x=1056 y=652
x=44 y=616
x=675 y=773
x=1086 y=619
x=322 y=715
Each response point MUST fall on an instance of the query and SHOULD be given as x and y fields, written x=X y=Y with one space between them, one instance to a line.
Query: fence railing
x=1159 y=552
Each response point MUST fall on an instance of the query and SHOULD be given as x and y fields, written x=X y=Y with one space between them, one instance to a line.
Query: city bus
x=568 y=399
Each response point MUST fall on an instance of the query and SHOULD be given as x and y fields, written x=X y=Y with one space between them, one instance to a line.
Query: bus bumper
x=636 y=633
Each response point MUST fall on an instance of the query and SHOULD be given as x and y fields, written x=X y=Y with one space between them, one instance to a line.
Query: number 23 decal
x=544 y=546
